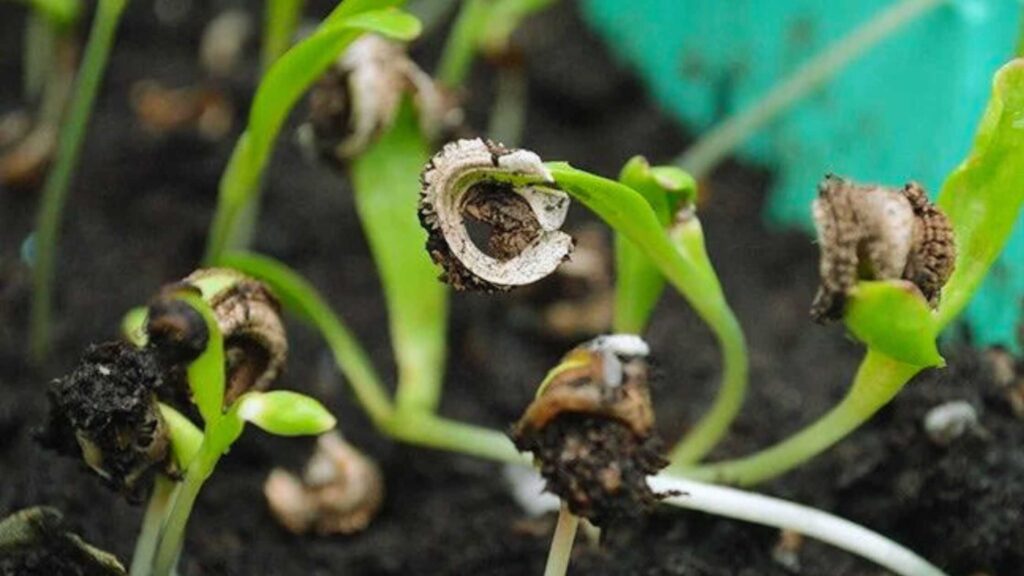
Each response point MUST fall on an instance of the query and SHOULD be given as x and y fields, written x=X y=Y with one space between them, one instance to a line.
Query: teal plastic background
x=906 y=110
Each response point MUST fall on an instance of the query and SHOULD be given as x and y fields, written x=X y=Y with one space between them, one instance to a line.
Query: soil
x=137 y=219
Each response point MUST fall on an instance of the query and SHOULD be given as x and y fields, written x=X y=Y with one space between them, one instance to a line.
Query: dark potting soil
x=137 y=218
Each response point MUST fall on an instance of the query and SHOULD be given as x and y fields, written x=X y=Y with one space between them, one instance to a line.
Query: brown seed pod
x=106 y=412
x=340 y=491
x=359 y=97
x=878 y=233
x=511 y=192
x=248 y=316
x=590 y=430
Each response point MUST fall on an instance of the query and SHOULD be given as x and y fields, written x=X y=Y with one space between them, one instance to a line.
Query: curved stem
x=457 y=57
x=55 y=191
x=684 y=263
x=817 y=524
x=145 y=546
x=443 y=434
x=878 y=380
x=172 y=534
x=561 y=543
x=721 y=140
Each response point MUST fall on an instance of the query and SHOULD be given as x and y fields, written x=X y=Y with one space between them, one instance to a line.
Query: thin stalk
x=878 y=380
x=97 y=52
x=508 y=115
x=729 y=134
x=457 y=57
x=40 y=46
x=817 y=524
x=688 y=271
x=300 y=297
x=280 y=20
x=172 y=534
x=443 y=434
x=145 y=546
x=561 y=543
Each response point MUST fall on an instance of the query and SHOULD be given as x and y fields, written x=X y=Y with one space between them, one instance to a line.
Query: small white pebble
x=947 y=422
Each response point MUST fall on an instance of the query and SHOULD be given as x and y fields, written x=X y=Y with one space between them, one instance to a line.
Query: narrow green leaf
x=285 y=413
x=186 y=438
x=893 y=318
x=348 y=8
x=386 y=183
x=638 y=282
x=983 y=196
x=206 y=373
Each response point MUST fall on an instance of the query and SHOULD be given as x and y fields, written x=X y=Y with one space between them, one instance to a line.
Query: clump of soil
x=597 y=465
x=105 y=412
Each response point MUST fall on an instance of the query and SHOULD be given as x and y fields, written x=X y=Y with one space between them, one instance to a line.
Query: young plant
x=282 y=86
x=981 y=200
x=590 y=430
x=214 y=338
x=280 y=21
x=97 y=51
x=525 y=202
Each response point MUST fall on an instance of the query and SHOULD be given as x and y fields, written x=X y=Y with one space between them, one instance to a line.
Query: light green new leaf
x=206 y=373
x=983 y=196
x=133 y=326
x=285 y=413
x=638 y=282
x=386 y=182
x=186 y=438
x=893 y=318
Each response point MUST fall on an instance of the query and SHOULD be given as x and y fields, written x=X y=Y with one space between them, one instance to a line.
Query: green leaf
x=133 y=326
x=638 y=282
x=348 y=8
x=60 y=12
x=983 y=196
x=206 y=373
x=186 y=438
x=284 y=84
x=285 y=413
x=893 y=318
x=386 y=183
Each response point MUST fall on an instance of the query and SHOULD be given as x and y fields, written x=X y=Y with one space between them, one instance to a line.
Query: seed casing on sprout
x=868 y=232
x=509 y=190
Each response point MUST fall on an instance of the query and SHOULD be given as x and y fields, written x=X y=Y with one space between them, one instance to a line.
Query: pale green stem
x=145 y=546
x=40 y=48
x=561 y=543
x=97 y=52
x=442 y=434
x=508 y=115
x=723 y=139
x=172 y=535
x=280 y=20
x=457 y=58
x=878 y=380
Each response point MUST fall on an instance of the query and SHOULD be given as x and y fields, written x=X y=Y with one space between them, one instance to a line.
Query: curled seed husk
x=591 y=433
x=248 y=316
x=513 y=193
x=340 y=491
x=106 y=412
x=878 y=233
x=358 y=98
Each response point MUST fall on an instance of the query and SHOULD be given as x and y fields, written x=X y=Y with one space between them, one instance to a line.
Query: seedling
x=97 y=51
x=218 y=336
x=590 y=430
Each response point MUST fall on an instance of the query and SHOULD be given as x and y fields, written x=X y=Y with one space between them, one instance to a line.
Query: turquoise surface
x=907 y=110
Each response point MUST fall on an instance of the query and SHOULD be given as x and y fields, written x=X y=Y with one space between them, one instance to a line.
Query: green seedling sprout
x=283 y=85
x=982 y=199
x=282 y=413
x=671 y=194
x=280 y=21
x=300 y=298
x=54 y=196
